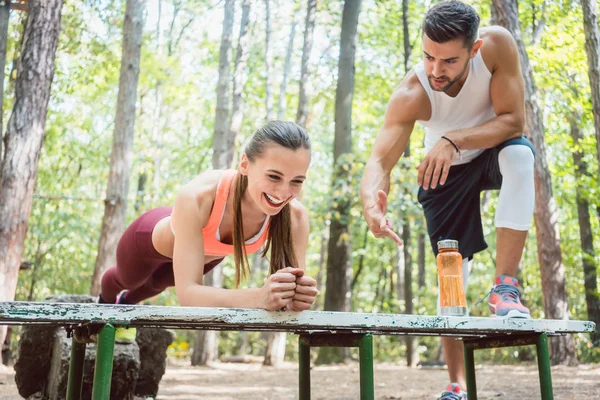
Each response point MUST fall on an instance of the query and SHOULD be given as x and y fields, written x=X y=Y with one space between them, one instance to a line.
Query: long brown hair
x=279 y=241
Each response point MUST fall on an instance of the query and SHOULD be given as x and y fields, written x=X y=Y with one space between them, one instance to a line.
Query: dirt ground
x=340 y=382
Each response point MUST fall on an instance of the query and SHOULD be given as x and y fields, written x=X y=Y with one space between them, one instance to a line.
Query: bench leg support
x=470 y=371
x=364 y=342
x=541 y=344
x=543 y=358
x=104 y=363
x=365 y=351
x=75 y=381
x=304 y=369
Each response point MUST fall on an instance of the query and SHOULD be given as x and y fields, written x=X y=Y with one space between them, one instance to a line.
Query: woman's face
x=276 y=177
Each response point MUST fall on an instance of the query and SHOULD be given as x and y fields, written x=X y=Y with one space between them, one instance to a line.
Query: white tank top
x=471 y=107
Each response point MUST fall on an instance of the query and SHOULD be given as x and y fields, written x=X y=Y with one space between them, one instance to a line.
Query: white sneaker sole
x=515 y=314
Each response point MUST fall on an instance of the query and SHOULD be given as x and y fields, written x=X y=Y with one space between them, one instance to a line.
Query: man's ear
x=476 y=47
x=244 y=163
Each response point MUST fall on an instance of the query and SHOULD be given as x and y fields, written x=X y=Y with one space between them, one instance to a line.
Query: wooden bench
x=339 y=329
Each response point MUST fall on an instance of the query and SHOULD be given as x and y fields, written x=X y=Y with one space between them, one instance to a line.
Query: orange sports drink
x=450 y=273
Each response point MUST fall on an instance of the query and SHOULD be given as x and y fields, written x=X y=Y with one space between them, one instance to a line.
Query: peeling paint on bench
x=68 y=314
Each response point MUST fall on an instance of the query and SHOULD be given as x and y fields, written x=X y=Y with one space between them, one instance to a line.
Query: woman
x=220 y=213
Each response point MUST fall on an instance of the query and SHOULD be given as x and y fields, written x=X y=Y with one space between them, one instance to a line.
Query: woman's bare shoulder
x=298 y=213
x=200 y=191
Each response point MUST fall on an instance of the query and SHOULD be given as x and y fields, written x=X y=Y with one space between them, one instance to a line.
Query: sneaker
x=121 y=298
x=453 y=392
x=505 y=299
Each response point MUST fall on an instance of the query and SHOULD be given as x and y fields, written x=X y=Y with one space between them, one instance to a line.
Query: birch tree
x=206 y=342
x=115 y=203
x=281 y=103
x=268 y=62
x=309 y=28
x=339 y=266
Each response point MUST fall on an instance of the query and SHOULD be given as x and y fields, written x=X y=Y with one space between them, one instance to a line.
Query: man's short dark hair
x=450 y=20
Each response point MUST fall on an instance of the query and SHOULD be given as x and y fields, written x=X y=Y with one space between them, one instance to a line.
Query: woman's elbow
x=185 y=296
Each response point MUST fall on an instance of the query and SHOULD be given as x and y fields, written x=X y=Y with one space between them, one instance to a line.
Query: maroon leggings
x=141 y=270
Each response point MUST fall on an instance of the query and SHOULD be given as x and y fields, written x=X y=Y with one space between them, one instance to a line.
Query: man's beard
x=450 y=82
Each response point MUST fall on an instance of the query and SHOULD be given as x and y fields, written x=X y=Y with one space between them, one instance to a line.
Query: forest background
x=211 y=72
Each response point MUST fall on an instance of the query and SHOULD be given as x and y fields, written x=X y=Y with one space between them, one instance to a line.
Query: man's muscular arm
x=507 y=90
x=400 y=117
x=507 y=93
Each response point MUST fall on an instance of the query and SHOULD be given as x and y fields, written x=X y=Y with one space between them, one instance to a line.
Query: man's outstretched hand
x=379 y=225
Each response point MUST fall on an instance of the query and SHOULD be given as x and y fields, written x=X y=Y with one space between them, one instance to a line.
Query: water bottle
x=450 y=273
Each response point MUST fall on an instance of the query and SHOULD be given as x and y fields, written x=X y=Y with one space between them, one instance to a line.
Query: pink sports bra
x=210 y=234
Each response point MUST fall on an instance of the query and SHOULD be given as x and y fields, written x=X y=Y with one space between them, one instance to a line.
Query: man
x=468 y=93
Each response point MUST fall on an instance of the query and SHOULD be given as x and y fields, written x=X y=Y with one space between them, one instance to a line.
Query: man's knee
x=516 y=162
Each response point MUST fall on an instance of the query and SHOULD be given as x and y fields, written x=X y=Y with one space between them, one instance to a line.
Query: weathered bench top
x=70 y=314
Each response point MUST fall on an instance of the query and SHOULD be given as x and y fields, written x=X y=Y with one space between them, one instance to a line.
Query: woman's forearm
x=208 y=296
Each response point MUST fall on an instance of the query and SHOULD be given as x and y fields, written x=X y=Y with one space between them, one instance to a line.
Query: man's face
x=446 y=63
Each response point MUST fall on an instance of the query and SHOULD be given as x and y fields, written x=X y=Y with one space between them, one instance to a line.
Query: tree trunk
x=4 y=15
x=339 y=266
x=268 y=62
x=548 y=238
x=237 y=110
x=361 y=260
x=286 y=69
x=311 y=11
x=322 y=259
x=157 y=132
x=206 y=343
x=239 y=81
x=421 y=259
x=592 y=299
x=35 y=268
x=221 y=148
x=379 y=297
x=140 y=192
x=115 y=204
x=24 y=137
x=411 y=353
x=14 y=70
x=401 y=266
x=275 y=348
x=592 y=48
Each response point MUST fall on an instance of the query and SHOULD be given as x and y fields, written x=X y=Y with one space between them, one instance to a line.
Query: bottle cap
x=447 y=244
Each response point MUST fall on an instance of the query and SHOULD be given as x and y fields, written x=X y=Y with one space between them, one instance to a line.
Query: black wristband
x=453 y=145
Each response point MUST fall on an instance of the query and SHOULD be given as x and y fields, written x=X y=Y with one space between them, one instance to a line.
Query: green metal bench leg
x=543 y=358
x=365 y=348
x=304 y=369
x=104 y=363
x=470 y=371
x=75 y=381
x=365 y=351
